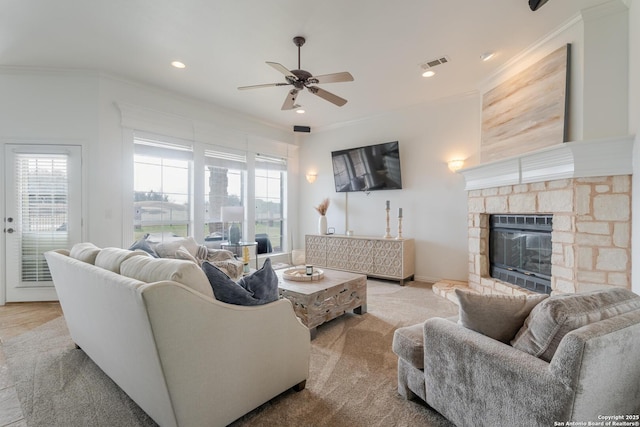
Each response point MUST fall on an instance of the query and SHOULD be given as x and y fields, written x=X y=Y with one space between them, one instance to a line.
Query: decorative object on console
x=322 y=221
x=399 y=224
x=387 y=234
x=233 y=215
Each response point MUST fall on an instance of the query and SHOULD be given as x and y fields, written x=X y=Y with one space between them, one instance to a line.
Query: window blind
x=43 y=200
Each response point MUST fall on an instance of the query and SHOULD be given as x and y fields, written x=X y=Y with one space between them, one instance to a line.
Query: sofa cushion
x=183 y=253
x=263 y=284
x=408 y=344
x=151 y=270
x=111 y=258
x=226 y=290
x=555 y=317
x=143 y=245
x=169 y=249
x=85 y=252
x=496 y=316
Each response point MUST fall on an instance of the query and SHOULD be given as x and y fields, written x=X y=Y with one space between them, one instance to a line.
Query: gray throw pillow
x=496 y=316
x=263 y=284
x=143 y=245
x=226 y=290
x=552 y=319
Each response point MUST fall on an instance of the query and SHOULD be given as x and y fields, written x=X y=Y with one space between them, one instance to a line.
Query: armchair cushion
x=553 y=318
x=496 y=316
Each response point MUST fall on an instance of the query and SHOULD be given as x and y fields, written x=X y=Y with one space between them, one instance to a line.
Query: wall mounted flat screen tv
x=369 y=168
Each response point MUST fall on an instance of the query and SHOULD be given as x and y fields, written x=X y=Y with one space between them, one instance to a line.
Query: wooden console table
x=374 y=256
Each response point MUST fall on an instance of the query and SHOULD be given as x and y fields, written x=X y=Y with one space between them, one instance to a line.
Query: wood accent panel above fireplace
x=528 y=111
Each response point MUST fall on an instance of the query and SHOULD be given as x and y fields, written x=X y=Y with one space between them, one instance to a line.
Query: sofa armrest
x=234 y=358
x=474 y=380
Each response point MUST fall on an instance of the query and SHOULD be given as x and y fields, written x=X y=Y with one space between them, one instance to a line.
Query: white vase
x=322 y=225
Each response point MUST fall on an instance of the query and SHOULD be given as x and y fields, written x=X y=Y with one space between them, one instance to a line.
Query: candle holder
x=399 y=228
x=387 y=235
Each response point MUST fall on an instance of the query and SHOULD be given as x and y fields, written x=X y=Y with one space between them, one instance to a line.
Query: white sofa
x=185 y=358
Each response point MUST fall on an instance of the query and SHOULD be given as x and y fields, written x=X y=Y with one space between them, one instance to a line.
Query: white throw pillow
x=151 y=270
x=85 y=252
x=169 y=249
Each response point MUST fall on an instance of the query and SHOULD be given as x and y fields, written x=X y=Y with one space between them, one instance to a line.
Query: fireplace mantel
x=579 y=159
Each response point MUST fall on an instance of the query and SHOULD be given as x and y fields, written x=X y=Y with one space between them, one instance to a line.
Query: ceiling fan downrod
x=299 y=41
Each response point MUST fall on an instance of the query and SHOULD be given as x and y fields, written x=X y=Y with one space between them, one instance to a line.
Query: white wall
x=169 y=114
x=433 y=198
x=74 y=107
x=634 y=128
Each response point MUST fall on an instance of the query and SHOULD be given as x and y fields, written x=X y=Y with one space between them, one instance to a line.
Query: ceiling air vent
x=434 y=62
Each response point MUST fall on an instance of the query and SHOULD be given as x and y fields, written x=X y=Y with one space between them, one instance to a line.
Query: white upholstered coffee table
x=318 y=301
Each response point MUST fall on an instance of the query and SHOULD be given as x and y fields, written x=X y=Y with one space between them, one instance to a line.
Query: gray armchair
x=475 y=380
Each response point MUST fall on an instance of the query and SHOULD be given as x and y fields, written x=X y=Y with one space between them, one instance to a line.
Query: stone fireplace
x=587 y=191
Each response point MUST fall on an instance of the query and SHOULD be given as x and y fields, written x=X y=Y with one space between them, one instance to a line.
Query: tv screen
x=369 y=168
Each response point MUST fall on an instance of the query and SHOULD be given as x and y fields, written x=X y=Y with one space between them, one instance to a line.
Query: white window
x=162 y=190
x=225 y=177
x=270 y=191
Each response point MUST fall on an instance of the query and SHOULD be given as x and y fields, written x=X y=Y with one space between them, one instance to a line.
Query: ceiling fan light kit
x=301 y=79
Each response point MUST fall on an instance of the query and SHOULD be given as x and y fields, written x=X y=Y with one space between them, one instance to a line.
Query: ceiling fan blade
x=290 y=100
x=334 y=78
x=328 y=96
x=284 y=70
x=260 y=86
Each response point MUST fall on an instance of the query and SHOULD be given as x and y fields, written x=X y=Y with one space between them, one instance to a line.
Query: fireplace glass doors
x=520 y=250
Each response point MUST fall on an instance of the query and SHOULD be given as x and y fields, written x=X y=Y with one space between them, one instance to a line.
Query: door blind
x=43 y=201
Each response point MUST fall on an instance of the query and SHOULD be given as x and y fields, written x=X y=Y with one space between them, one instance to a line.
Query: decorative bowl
x=299 y=274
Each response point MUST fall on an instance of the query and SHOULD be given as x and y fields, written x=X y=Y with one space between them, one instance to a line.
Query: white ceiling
x=225 y=44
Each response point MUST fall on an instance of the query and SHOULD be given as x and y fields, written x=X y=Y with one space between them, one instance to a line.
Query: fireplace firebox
x=520 y=250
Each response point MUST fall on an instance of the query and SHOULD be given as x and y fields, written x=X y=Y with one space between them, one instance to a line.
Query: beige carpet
x=352 y=379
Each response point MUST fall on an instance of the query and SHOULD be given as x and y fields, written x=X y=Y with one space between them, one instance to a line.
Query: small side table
x=237 y=248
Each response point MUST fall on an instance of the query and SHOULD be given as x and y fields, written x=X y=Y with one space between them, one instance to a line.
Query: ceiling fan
x=301 y=79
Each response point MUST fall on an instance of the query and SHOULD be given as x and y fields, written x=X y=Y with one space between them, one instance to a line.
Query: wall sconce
x=311 y=177
x=455 y=165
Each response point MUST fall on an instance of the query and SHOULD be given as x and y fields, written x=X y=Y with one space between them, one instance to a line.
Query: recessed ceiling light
x=487 y=56
x=178 y=64
x=429 y=73
x=300 y=111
